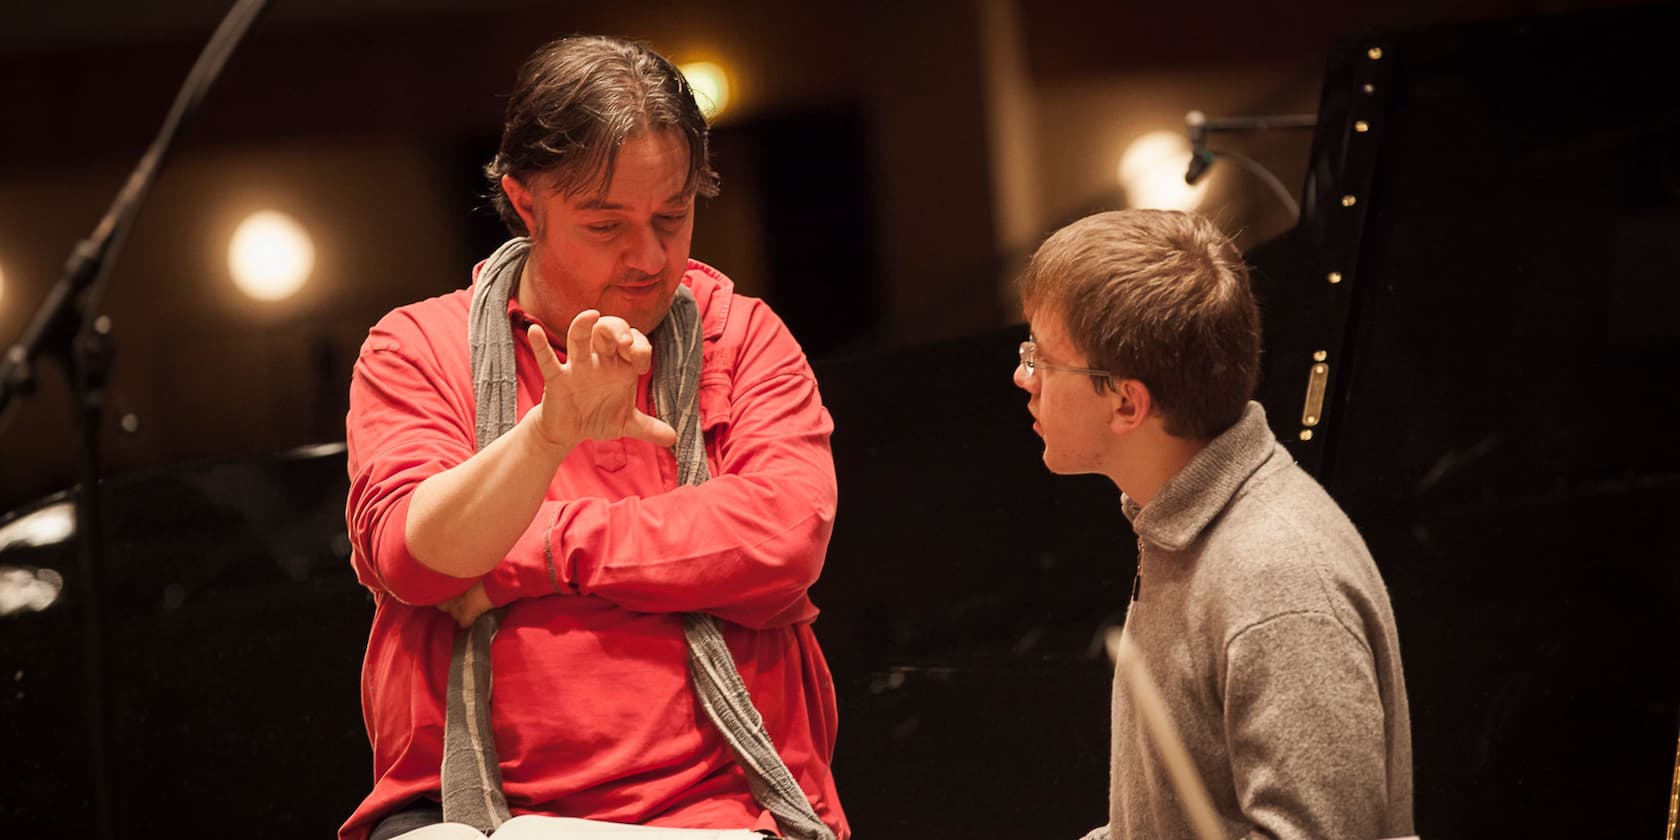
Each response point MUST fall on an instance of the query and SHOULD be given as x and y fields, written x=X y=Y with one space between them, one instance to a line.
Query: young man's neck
x=1151 y=458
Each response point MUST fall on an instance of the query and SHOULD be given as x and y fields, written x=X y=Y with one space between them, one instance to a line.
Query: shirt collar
x=1199 y=491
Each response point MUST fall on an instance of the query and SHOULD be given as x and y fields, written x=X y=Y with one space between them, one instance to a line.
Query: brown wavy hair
x=575 y=103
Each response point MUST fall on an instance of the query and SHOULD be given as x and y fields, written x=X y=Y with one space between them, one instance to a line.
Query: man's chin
x=1056 y=464
x=647 y=320
x=643 y=310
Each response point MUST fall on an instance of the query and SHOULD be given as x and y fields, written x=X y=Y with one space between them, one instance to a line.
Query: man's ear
x=1131 y=404
x=523 y=201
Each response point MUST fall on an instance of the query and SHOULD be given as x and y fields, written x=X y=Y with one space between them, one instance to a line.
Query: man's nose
x=1022 y=380
x=647 y=252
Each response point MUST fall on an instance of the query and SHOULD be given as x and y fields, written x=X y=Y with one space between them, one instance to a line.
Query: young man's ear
x=1131 y=403
x=524 y=203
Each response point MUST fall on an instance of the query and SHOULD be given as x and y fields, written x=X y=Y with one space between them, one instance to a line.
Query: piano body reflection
x=1498 y=417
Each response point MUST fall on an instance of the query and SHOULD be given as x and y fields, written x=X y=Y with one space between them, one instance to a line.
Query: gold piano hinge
x=1312 y=413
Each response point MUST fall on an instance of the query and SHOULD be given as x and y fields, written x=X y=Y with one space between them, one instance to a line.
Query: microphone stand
x=1198 y=126
x=68 y=328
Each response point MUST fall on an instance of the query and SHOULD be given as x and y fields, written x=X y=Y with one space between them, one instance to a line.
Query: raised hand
x=592 y=395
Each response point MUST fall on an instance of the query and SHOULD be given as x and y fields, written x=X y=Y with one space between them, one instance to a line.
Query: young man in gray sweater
x=1257 y=608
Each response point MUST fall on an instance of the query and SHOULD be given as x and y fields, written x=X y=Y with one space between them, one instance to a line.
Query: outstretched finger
x=578 y=335
x=547 y=361
x=651 y=429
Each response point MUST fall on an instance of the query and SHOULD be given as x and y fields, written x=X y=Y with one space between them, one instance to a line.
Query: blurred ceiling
x=1063 y=35
x=44 y=26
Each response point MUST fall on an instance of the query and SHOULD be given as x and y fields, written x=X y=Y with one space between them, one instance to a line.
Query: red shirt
x=593 y=710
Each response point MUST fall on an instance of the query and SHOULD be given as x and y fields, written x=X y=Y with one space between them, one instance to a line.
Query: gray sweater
x=1267 y=626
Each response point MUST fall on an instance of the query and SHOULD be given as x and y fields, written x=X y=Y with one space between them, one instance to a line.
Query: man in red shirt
x=593 y=446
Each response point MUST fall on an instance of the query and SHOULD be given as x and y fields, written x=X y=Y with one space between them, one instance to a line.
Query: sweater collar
x=1196 y=494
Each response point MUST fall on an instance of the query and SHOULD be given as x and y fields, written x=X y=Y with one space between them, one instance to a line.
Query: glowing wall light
x=2 y=283
x=710 y=84
x=28 y=590
x=1152 y=172
x=50 y=525
x=270 y=256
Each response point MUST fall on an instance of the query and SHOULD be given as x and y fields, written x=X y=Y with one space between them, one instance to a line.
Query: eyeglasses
x=1031 y=363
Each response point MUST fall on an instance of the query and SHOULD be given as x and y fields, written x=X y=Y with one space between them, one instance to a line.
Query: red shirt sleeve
x=407 y=421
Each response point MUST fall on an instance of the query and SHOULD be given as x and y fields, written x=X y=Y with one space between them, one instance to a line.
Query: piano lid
x=1487 y=271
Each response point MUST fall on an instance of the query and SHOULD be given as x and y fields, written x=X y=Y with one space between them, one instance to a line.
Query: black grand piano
x=1483 y=280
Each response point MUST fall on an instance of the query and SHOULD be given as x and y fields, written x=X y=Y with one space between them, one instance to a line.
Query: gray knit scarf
x=472 y=782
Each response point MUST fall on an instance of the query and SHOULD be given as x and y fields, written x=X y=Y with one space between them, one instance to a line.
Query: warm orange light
x=1152 y=172
x=270 y=256
x=710 y=83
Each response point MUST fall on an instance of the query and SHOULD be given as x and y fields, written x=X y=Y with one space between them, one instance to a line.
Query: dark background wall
x=886 y=166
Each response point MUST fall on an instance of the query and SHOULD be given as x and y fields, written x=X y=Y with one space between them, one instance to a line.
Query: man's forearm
x=463 y=521
x=743 y=548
